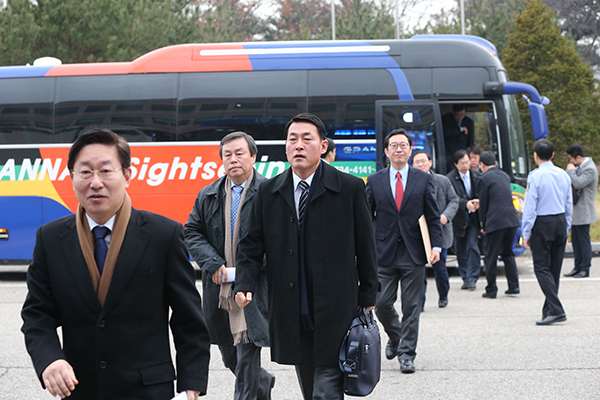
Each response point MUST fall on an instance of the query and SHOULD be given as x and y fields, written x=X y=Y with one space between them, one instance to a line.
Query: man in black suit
x=459 y=132
x=399 y=195
x=313 y=223
x=466 y=221
x=499 y=221
x=109 y=276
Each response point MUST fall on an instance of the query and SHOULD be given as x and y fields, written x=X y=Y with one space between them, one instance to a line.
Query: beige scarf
x=87 y=243
x=237 y=320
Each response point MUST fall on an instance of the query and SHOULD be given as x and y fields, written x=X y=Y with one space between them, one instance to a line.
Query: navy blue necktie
x=236 y=192
x=303 y=200
x=100 y=233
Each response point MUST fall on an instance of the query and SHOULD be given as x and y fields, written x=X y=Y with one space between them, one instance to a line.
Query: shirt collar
x=297 y=179
x=403 y=171
x=109 y=224
x=242 y=185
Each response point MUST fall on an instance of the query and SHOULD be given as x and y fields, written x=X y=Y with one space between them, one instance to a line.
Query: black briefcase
x=360 y=355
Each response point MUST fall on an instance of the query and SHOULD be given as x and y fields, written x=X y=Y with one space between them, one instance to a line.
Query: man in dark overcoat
x=206 y=234
x=313 y=224
x=114 y=279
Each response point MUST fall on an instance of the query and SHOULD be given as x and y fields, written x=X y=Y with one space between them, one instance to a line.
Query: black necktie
x=100 y=233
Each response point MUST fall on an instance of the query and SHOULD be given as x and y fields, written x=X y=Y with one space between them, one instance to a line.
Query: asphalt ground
x=475 y=348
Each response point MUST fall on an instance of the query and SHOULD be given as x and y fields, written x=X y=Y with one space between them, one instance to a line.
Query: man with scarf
x=220 y=213
x=313 y=223
x=110 y=276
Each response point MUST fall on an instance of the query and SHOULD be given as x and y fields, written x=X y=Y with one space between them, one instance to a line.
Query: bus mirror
x=539 y=124
x=493 y=89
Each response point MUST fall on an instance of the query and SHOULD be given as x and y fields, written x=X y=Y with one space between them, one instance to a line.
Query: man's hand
x=443 y=219
x=220 y=276
x=192 y=394
x=527 y=243
x=243 y=299
x=571 y=166
x=473 y=205
x=59 y=378
x=435 y=257
x=464 y=130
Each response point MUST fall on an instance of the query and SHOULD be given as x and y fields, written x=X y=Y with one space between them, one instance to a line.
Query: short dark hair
x=100 y=136
x=236 y=135
x=544 y=149
x=416 y=153
x=575 y=150
x=487 y=158
x=474 y=149
x=330 y=147
x=395 y=132
x=309 y=118
x=459 y=107
x=459 y=154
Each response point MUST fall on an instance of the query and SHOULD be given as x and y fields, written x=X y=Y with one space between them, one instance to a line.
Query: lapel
x=330 y=180
x=411 y=183
x=77 y=266
x=384 y=183
x=134 y=244
x=460 y=184
x=285 y=186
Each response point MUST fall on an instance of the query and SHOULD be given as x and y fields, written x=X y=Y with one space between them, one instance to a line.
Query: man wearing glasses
x=109 y=276
x=399 y=195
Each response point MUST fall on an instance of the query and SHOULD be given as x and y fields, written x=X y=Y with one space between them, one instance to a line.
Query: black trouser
x=582 y=247
x=548 y=239
x=499 y=243
x=251 y=380
x=317 y=383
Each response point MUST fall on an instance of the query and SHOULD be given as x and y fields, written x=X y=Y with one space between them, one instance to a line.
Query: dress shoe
x=391 y=349
x=551 y=319
x=472 y=286
x=572 y=273
x=513 y=291
x=489 y=295
x=582 y=274
x=407 y=366
x=465 y=286
x=443 y=303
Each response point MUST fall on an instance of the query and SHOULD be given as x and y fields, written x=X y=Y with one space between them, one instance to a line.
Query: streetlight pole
x=462 y=16
x=332 y=20
x=397 y=19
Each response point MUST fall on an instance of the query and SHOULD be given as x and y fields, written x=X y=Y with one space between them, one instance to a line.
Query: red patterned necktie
x=399 y=190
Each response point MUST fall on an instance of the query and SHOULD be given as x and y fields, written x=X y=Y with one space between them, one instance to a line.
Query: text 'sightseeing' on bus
x=175 y=104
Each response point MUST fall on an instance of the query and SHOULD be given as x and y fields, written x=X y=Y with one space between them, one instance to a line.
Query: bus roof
x=255 y=56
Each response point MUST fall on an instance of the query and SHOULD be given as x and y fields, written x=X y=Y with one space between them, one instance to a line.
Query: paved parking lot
x=475 y=348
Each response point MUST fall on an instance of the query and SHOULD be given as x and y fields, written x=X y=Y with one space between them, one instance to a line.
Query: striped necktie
x=303 y=200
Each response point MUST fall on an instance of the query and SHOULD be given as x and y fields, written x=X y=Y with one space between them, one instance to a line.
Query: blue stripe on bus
x=402 y=86
x=24 y=71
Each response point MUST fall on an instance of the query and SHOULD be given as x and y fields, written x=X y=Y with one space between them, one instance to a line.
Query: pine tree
x=538 y=54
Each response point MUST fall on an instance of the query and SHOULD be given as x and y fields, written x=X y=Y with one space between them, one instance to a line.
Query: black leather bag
x=360 y=355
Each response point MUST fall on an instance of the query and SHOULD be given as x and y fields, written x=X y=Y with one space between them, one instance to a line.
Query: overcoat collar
x=329 y=181
x=134 y=244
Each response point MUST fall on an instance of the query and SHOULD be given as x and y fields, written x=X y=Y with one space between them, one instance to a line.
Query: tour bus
x=174 y=104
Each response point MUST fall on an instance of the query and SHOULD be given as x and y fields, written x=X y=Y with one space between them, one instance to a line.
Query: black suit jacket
x=461 y=219
x=120 y=350
x=419 y=198
x=342 y=257
x=496 y=209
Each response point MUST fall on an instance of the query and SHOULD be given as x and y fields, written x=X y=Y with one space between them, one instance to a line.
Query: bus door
x=420 y=119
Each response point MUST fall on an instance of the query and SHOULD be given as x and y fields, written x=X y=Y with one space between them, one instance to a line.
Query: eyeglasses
x=104 y=174
x=402 y=145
